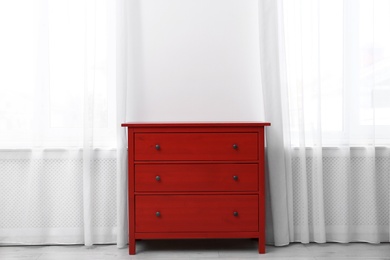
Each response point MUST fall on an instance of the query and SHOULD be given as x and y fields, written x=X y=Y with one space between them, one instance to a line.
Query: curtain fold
x=89 y=95
x=276 y=161
x=122 y=83
x=128 y=75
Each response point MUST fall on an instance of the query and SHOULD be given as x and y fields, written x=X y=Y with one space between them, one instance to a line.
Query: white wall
x=196 y=60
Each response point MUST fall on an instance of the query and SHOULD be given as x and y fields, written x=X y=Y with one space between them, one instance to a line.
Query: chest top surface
x=196 y=124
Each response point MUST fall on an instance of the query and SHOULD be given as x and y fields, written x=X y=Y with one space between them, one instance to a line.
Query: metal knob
x=235 y=177
x=235 y=146
x=235 y=213
x=158 y=214
x=157 y=147
x=158 y=178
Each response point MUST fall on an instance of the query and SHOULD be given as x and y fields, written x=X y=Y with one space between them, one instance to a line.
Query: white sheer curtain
x=326 y=78
x=58 y=123
x=68 y=71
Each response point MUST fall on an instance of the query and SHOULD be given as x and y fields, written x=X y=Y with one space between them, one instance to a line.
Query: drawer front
x=196 y=177
x=196 y=213
x=196 y=146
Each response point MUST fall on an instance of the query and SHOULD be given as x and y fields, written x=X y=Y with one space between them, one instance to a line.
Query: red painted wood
x=131 y=196
x=218 y=129
x=196 y=146
x=198 y=125
x=193 y=162
x=262 y=215
x=196 y=213
x=196 y=177
x=185 y=235
x=198 y=193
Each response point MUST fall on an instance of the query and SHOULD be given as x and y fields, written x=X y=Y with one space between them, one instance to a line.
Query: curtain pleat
x=121 y=99
x=276 y=161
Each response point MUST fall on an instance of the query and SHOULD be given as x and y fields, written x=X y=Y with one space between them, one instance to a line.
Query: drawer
x=196 y=177
x=196 y=146
x=196 y=213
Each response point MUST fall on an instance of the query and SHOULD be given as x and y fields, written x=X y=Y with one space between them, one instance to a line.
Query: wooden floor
x=201 y=249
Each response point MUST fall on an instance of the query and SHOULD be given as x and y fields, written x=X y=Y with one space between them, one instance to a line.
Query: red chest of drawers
x=196 y=180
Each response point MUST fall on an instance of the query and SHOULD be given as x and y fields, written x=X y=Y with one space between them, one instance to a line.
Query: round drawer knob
x=235 y=177
x=235 y=146
x=235 y=213
x=158 y=214
x=157 y=147
x=158 y=178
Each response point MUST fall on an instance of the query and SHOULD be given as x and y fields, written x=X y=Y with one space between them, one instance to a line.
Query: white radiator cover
x=42 y=197
x=356 y=192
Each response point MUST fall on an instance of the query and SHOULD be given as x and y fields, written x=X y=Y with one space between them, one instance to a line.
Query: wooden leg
x=132 y=247
x=261 y=246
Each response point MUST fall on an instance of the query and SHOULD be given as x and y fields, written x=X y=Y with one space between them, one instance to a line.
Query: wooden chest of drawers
x=196 y=180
